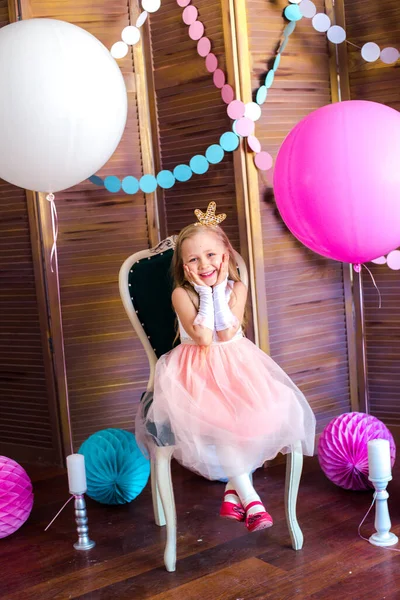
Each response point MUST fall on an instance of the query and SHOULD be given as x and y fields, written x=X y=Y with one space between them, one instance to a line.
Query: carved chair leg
x=294 y=466
x=159 y=516
x=163 y=457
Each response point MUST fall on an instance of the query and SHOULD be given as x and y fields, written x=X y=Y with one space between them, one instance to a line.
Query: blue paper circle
x=214 y=154
x=269 y=80
x=261 y=95
x=229 y=141
x=284 y=44
x=116 y=470
x=96 y=180
x=112 y=183
x=130 y=185
x=182 y=173
x=292 y=13
x=199 y=164
x=234 y=128
x=165 y=179
x=277 y=61
x=290 y=27
x=148 y=183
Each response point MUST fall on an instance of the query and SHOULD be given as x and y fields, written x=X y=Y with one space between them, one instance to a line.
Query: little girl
x=230 y=406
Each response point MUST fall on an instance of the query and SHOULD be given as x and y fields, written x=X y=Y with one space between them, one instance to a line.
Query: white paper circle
x=151 y=6
x=130 y=35
x=308 y=9
x=321 y=22
x=336 y=34
x=389 y=55
x=295 y=1
x=381 y=260
x=370 y=52
x=393 y=260
x=141 y=18
x=119 y=50
x=252 y=111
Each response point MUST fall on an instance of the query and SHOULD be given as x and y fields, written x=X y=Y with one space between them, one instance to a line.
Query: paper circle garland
x=343 y=449
x=130 y=185
x=199 y=164
x=165 y=179
x=393 y=260
x=321 y=22
x=336 y=34
x=203 y=47
x=148 y=184
x=119 y=50
x=389 y=55
x=116 y=470
x=370 y=52
x=151 y=6
x=130 y=35
x=16 y=496
x=182 y=173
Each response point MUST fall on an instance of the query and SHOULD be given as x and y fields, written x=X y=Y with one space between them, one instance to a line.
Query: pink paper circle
x=196 y=30
x=219 y=78
x=254 y=143
x=183 y=3
x=227 y=93
x=203 y=46
x=263 y=161
x=236 y=109
x=211 y=62
x=189 y=15
x=244 y=126
x=393 y=260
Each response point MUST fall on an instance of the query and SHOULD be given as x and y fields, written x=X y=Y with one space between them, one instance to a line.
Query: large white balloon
x=63 y=104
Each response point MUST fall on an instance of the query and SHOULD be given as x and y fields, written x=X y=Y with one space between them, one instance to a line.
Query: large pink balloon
x=337 y=181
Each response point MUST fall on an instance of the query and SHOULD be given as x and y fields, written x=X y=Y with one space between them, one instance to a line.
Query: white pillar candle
x=379 y=464
x=76 y=474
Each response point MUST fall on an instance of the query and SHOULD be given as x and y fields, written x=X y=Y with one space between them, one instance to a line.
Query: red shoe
x=258 y=521
x=229 y=510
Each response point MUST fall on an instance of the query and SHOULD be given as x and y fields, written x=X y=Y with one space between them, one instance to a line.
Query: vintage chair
x=145 y=286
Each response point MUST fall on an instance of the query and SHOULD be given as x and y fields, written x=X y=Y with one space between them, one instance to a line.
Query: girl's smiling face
x=202 y=253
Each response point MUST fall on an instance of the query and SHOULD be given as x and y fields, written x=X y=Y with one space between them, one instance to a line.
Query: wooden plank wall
x=304 y=292
x=378 y=22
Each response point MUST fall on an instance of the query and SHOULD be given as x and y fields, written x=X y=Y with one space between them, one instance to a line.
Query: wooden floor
x=217 y=559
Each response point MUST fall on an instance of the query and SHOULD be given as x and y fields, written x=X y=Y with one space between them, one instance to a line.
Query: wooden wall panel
x=191 y=114
x=105 y=364
x=304 y=292
x=379 y=23
x=26 y=432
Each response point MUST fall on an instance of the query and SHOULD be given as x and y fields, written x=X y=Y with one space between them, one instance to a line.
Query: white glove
x=224 y=318
x=205 y=315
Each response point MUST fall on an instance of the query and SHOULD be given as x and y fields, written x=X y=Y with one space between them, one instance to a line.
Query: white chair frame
x=161 y=480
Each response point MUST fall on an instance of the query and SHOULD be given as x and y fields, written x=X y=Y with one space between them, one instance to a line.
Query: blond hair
x=178 y=272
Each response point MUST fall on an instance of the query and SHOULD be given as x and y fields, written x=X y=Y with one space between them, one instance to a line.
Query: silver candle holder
x=84 y=542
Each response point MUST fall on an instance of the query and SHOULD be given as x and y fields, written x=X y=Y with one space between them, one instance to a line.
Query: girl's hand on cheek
x=192 y=277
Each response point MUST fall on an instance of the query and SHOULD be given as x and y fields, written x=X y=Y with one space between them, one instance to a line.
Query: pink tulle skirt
x=226 y=409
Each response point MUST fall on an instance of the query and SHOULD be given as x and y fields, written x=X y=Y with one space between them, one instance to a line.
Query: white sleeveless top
x=185 y=337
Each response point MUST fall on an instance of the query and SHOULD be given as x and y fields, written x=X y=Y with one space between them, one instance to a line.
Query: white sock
x=246 y=492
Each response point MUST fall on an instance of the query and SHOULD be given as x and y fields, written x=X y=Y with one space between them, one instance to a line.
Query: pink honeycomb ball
x=343 y=449
x=16 y=496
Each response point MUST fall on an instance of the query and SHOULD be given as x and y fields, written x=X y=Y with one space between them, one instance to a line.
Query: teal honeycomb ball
x=116 y=469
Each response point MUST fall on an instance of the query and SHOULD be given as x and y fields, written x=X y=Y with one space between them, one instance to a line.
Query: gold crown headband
x=209 y=217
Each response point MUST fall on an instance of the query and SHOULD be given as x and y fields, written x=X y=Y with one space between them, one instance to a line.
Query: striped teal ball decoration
x=116 y=469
